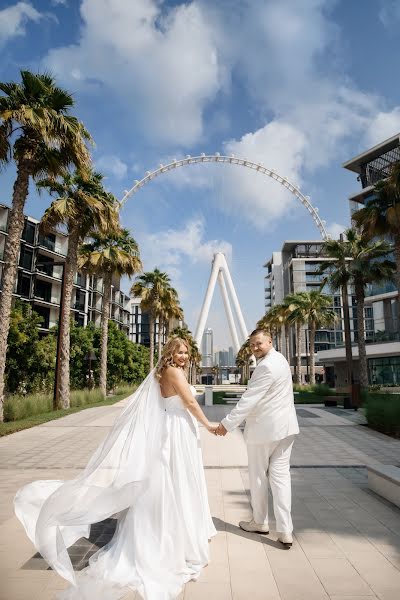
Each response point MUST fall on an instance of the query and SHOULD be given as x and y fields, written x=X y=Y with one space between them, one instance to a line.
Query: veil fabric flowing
x=128 y=478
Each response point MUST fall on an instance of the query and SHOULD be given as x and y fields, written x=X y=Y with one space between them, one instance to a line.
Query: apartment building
x=294 y=269
x=39 y=281
x=139 y=325
x=382 y=327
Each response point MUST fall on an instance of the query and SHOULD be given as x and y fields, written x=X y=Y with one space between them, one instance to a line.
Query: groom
x=271 y=424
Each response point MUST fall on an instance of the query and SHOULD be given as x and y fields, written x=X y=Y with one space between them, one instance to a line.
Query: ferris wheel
x=232 y=160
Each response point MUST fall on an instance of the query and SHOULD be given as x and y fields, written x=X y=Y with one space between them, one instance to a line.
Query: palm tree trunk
x=65 y=321
x=397 y=277
x=105 y=316
x=362 y=353
x=312 y=352
x=167 y=329
x=347 y=334
x=10 y=268
x=160 y=335
x=287 y=347
x=151 y=334
x=298 y=351
x=277 y=337
x=282 y=338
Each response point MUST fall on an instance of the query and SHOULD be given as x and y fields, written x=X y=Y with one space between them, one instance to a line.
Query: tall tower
x=207 y=353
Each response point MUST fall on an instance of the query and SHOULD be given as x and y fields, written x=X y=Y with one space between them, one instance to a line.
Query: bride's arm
x=181 y=386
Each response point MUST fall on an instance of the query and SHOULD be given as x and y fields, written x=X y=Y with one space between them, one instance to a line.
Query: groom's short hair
x=261 y=331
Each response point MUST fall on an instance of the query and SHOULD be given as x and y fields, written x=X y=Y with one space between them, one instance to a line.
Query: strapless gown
x=150 y=472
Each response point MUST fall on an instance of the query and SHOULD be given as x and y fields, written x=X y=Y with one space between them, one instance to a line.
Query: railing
x=379 y=337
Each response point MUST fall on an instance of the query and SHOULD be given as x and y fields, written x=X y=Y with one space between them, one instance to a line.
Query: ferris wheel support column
x=242 y=325
x=228 y=312
x=205 y=309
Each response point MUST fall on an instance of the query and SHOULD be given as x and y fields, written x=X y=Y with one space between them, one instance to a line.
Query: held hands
x=217 y=429
x=221 y=430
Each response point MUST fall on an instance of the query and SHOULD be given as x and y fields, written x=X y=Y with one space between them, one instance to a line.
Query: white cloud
x=112 y=165
x=160 y=62
x=171 y=247
x=335 y=229
x=13 y=20
x=165 y=66
x=261 y=200
x=281 y=50
x=383 y=125
x=389 y=14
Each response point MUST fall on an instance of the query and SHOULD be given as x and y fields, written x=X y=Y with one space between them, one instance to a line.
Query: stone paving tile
x=340 y=526
x=338 y=576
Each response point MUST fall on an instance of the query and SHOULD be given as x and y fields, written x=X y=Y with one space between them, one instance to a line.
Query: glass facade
x=384 y=371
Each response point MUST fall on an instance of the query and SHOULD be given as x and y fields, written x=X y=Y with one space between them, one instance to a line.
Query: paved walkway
x=347 y=539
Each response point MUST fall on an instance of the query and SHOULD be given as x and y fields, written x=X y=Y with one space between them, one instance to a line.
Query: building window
x=28 y=233
x=44 y=313
x=48 y=241
x=25 y=258
x=24 y=285
x=43 y=290
x=79 y=319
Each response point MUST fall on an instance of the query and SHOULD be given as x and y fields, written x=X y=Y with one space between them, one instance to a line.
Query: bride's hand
x=212 y=428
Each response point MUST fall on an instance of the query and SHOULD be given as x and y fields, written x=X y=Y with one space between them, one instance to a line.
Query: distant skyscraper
x=231 y=357
x=225 y=358
x=207 y=354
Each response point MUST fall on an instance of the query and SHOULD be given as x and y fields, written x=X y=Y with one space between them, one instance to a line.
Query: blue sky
x=299 y=85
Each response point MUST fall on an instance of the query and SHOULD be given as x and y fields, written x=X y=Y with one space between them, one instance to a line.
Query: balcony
x=51 y=243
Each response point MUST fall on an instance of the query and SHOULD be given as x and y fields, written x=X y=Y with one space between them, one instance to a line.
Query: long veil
x=126 y=477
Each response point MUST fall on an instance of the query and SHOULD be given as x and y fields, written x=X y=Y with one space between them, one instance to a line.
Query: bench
x=344 y=401
x=384 y=480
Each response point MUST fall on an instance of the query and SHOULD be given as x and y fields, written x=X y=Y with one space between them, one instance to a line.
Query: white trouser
x=271 y=462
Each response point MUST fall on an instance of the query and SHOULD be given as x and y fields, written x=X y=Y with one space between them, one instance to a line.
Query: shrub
x=374 y=388
x=383 y=412
x=17 y=407
x=319 y=389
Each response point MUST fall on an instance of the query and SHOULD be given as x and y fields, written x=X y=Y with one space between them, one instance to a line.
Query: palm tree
x=106 y=256
x=39 y=134
x=243 y=358
x=367 y=264
x=150 y=287
x=381 y=216
x=195 y=357
x=316 y=311
x=172 y=311
x=337 y=276
x=274 y=321
x=297 y=316
x=169 y=309
x=83 y=208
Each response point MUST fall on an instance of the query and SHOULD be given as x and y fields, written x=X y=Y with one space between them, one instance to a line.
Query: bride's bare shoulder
x=173 y=374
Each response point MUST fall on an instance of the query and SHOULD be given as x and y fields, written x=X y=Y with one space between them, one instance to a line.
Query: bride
x=148 y=474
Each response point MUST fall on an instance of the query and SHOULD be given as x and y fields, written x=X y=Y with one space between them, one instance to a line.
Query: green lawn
x=38 y=419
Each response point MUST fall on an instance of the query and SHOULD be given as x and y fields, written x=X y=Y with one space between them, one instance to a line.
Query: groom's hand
x=221 y=430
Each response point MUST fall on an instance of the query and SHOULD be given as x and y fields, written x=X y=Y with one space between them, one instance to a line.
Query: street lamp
x=307 y=349
x=90 y=356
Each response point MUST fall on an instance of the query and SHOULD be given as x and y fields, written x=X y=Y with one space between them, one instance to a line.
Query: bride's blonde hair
x=167 y=356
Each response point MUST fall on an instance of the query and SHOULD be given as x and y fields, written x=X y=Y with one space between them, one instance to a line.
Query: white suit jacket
x=267 y=404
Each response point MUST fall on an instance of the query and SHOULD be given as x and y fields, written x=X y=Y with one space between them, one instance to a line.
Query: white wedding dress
x=147 y=473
